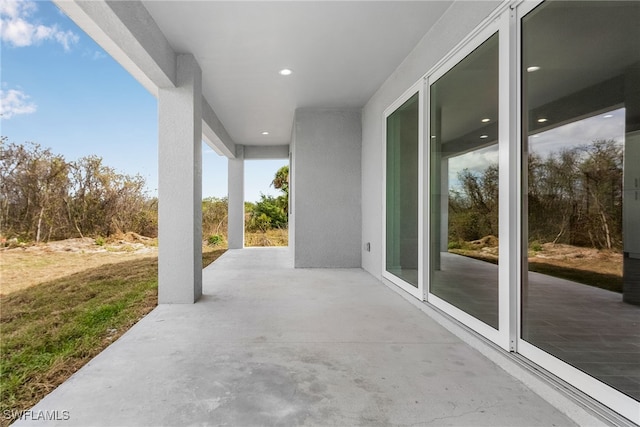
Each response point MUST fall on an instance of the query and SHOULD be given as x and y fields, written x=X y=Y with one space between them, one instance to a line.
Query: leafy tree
x=281 y=182
x=43 y=196
x=267 y=213
x=102 y=201
x=603 y=177
x=34 y=180
x=574 y=197
x=214 y=216
x=473 y=209
x=270 y=212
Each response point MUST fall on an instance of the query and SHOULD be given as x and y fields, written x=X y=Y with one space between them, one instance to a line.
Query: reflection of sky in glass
x=476 y=162
x=609 y=125
x=581 y=132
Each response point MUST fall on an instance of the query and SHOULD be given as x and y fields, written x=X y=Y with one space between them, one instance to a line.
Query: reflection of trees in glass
x=473 y=205
x=575 y=196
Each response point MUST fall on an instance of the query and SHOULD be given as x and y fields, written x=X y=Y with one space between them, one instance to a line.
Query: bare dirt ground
x=586 y=259
x=594 y=267
x=558 y=255
x=30 y=265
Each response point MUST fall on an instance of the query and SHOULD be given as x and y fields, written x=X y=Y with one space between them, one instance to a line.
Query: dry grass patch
x=51 y=330
x=272 y=237
x=593 y=267
x=27 y=266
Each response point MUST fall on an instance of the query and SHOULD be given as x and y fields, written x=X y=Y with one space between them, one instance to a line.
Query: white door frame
x=416 y=292
x=501 y=336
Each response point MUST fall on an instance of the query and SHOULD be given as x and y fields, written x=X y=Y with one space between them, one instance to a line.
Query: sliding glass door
x=464 y=187
x=522 y=198
x=581 y=217
x=402 y=191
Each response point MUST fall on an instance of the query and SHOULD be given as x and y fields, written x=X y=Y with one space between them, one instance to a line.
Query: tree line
x=45 y=197
x=266 y=214
x=574 y=197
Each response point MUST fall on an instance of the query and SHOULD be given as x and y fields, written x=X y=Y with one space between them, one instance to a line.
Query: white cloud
x=16 y=29
x=476 y=162
x=94 y=55
x=98 y=55
x=609 y=125
x=16 y=8
x=14 y=102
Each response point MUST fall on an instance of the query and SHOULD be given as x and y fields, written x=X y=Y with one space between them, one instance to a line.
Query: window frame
x=506 y=321
x=596 y=389
x=395 y=280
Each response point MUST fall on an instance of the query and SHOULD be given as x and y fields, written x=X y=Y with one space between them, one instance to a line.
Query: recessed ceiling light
x=607 y=116
x=486 y=120
x=484 y=136
x=532 y=69
x=265 y=133
x=285 y=72
x=433 y=136
x=542 y=120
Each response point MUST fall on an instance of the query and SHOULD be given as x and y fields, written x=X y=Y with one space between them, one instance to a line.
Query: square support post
x=236 y=201
x=327 y=189
x=180 y=186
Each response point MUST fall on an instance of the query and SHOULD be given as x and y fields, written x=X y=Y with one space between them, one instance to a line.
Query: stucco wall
x=459 y=20
x=326 y=188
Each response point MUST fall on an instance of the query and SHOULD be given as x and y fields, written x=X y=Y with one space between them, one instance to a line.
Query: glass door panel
x=402 y=192
x=464 y=184
x=581 y=156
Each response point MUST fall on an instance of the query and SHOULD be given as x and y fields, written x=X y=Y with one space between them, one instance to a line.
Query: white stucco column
x=180 y=186
x=235 y=222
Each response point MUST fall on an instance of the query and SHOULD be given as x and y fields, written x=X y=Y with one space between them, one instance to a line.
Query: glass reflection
x=464 y=184
x=402 y=192
x=582 y=209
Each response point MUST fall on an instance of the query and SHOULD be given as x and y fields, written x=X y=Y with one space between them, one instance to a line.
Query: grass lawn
x=52 y=329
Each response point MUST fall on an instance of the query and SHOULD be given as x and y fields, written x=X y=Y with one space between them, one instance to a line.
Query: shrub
x=215 y=240
x=455 y=245
x=536 y=246
x=266 y=214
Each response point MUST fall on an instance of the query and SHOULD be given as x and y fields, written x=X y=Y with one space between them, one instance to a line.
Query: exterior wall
x=459 y=20
x=326 y=220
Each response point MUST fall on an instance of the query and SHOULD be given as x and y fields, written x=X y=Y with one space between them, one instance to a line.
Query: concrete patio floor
x=269 y=345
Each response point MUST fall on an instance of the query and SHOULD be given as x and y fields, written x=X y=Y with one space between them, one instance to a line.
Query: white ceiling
x=340 y=53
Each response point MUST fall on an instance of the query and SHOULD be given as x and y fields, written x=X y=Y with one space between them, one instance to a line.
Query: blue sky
x=61 y=90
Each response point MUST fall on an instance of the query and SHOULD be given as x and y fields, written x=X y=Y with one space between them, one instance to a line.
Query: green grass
x=51 y=330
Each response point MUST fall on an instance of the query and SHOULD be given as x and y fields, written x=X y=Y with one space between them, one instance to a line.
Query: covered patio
x=261 y=339
x=268 y=344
